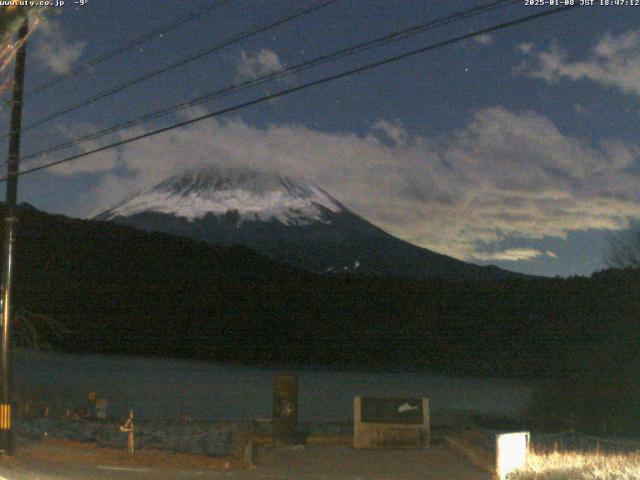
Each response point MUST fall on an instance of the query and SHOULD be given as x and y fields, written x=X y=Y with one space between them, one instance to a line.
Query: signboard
x=392 y=410
x=391 y=422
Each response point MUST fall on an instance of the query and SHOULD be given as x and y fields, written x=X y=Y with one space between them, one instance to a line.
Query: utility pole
x=6 y=435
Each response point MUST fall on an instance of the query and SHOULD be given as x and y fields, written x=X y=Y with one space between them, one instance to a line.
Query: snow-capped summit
x=255 y=196
x=292 y=221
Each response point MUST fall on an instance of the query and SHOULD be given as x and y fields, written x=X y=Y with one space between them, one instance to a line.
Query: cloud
x=525 y=48
x=263 y=62
x=53 y=51
x=503 y=175
x=107 y=160
x=614 y=62
x=512 y=255
x=390 y=132
x=484 y=39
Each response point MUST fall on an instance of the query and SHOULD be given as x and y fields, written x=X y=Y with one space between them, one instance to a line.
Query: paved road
x=297 y=463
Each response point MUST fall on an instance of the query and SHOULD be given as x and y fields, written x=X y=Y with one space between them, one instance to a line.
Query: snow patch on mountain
x=254 y=196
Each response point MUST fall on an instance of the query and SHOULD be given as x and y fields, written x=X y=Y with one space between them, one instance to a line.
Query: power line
x=127 y=46
x=358 y=48
x=305 y=86
x=180 y=63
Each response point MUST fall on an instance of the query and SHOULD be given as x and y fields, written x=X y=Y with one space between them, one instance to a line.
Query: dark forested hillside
x=126 y=291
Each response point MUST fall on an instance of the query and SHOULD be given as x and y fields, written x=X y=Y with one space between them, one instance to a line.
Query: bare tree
x=35 y=330
x=624 y=249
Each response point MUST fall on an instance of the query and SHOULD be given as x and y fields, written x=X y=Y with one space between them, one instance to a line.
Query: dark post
x=6 y=437
x=285 y=409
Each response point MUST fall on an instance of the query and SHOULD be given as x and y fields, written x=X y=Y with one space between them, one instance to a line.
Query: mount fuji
x=292 y=221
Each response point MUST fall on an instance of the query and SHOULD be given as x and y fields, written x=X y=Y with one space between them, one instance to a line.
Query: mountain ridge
x=253 y=194
x=292 y=221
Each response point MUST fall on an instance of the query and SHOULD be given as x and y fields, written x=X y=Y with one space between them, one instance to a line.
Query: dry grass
x=579 y=466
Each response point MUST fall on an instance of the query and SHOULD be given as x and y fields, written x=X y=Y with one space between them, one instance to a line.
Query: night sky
x=517 y=148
